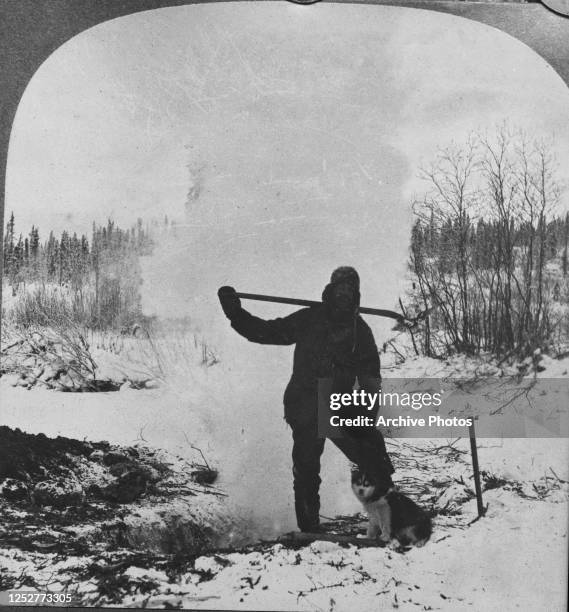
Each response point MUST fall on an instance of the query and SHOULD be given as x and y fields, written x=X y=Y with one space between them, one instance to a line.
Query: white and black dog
x=391 y=514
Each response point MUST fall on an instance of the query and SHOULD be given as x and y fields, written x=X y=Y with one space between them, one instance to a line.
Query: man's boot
x=307 y=515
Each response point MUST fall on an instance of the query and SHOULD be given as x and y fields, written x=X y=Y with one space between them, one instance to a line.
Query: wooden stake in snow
x=476 y=469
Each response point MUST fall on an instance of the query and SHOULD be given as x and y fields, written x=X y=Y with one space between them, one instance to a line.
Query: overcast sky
x=285 y=138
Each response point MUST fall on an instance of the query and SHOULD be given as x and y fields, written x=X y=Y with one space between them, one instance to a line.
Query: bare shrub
x=113 y=305
x=163 y=351
x=481 y=246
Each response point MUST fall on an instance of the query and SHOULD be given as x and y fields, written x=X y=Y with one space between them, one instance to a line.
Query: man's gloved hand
x=229 y=301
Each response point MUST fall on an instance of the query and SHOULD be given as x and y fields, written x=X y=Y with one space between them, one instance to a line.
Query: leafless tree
x=479 y=245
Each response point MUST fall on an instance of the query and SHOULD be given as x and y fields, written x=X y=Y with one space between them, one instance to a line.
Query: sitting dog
x=391 y=514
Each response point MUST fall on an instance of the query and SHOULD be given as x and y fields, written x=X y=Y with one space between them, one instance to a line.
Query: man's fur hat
x=345 y=274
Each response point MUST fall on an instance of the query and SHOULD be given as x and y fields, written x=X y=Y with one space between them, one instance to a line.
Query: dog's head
x=364 y=489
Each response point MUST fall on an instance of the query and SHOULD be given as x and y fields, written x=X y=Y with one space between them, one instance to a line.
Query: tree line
x=432 y=241
x=100 y=276
x=489 y=248
x=70 y=258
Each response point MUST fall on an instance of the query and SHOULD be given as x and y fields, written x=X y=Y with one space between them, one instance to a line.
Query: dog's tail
x=422 y=542
x=417 y=534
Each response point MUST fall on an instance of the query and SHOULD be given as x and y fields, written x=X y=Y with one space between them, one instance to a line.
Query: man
x=332 y=342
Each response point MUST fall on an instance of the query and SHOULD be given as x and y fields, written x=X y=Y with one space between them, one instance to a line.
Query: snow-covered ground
x=513 y=558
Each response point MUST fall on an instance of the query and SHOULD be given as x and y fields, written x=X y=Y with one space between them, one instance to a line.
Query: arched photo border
x=33 y=29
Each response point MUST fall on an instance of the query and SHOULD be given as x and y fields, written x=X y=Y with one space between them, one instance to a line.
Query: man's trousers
x=366 y=450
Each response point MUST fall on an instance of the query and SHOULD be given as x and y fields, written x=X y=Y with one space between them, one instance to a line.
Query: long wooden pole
x=297 y=302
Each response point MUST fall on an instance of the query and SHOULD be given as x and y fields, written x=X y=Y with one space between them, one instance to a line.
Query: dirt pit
x=77 y=497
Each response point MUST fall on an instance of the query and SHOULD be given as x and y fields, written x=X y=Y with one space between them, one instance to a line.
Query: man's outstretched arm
x=255 y=329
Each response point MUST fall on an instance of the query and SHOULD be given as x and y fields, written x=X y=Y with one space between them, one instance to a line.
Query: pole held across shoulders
x=380 y=312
